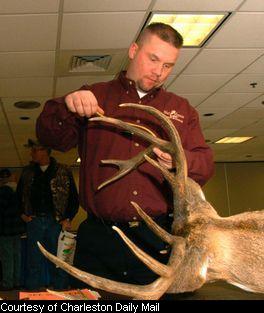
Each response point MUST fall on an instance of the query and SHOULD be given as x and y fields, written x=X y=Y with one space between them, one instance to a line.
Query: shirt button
x=138 y=121
x=127 y=92
x=134 y=218
x=130 y=82
x=60 y=123
x=136 y=144
x=124 y=273
x=135 y=193
x=139 y=102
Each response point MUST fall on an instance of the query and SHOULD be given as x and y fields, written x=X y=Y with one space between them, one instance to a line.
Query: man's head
x=39 y=152
x=5 y=175
x=153 y=56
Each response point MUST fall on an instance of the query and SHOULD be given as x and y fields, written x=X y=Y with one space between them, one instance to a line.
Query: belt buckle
x=133 y=224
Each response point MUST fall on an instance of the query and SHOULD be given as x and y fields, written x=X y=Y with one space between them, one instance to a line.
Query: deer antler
x=204 y=246
x=126 y=166
x=157 y=288
x=177 y=180
x=152 y=291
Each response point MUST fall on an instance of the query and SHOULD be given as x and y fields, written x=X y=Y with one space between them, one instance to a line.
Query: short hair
x=35 y=143
x=4 y=173
x=164 y=31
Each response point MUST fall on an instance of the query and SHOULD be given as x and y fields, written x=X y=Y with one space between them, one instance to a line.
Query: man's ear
x=132 y=50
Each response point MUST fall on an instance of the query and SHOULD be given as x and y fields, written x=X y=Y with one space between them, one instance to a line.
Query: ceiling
x=39 y=37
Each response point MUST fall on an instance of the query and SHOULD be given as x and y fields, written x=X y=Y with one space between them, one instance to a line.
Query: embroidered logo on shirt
x=174 y=115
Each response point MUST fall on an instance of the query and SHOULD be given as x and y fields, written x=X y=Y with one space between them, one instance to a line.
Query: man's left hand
x=66 y=224
x=164 y=158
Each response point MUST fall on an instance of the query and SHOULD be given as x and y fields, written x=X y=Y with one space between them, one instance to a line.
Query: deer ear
x=132 y=50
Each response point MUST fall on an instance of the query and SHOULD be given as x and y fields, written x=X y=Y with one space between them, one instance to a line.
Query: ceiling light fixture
x=233 y=139
x=195 y=28
x=92 y=63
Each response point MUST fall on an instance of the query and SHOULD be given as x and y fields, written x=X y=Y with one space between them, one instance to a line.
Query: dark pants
x=101 y=251
x=46 y=230
x=10 y=255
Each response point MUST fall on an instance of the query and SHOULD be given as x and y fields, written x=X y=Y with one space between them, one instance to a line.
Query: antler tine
x=170 y=177
x=151 y=291
x=123 y=170
x=133 y=128
x=126 y=166
x=154 y=265
x=180 y=202
x=165 y=236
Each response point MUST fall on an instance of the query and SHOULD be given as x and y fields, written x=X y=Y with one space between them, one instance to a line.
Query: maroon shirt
x=63 y=130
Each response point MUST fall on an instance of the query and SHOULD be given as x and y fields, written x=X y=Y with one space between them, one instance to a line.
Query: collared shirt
x=40 y=191
x=62 y=130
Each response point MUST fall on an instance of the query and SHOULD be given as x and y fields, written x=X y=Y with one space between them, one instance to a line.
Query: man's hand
x=66 y=224
x=26 y=218
x=83 y=102
x=164 y=158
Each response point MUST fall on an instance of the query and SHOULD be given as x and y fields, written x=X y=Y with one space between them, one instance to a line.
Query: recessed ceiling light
x=194 y=28
x=27 y=104
x=233 y=139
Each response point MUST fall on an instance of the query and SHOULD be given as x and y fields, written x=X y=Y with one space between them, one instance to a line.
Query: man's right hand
x=83 y=102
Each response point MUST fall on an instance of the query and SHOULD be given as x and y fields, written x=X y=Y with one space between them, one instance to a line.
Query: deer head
x=204 y=246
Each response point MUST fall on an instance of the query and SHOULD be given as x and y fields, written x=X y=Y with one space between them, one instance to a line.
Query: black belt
x=129 y=224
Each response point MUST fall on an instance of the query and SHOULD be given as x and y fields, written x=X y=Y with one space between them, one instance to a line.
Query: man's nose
x=158 y=69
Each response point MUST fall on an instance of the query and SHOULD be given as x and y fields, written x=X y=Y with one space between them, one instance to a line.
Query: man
x=64 y=124
x=11 y=229
x=49 y=201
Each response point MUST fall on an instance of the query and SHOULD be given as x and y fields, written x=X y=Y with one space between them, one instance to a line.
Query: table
x=214 y=291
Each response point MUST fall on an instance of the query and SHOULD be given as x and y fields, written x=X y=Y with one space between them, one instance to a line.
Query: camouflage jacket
x=63 y=190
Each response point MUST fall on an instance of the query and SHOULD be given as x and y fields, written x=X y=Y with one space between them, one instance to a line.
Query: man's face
x=38 y=154
x=151 y=62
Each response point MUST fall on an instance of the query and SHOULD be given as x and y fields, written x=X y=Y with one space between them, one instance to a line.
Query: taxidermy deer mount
x=204 y=246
